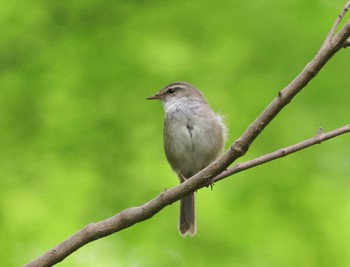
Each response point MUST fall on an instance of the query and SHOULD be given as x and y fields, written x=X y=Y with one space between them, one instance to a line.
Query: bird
x=194 y=136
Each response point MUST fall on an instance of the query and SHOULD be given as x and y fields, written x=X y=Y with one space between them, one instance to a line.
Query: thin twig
x=317 y=139
x=337 y=22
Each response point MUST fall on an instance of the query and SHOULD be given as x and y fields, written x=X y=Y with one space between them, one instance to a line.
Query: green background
x=79 y=142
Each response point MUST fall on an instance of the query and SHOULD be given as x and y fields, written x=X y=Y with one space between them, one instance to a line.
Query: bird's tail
x=187 y=221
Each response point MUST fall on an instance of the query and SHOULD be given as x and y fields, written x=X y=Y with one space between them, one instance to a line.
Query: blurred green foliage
x=79 y=143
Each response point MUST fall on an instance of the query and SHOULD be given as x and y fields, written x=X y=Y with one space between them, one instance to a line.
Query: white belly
x=192 y=140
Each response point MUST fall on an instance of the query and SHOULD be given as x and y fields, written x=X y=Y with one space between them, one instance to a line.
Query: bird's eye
x=171 y=91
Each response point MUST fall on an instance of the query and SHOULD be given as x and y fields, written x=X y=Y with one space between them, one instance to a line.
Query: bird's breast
x=192 y=139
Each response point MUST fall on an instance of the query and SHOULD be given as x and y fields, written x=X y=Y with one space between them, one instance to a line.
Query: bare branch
x=337 y=21
x=130 y=216
x=317 y=139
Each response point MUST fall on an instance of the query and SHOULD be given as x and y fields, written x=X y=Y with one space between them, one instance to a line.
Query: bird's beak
x=156 y=96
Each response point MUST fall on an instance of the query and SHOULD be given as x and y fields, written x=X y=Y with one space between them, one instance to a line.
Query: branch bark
x=317 y=139
x=337 y=22
x=128 y=217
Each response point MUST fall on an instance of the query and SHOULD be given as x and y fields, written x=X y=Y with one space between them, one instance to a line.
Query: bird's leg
x=182 y=177
x=211 y=183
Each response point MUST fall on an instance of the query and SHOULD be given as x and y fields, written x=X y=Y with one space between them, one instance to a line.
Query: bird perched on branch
x=194 y=136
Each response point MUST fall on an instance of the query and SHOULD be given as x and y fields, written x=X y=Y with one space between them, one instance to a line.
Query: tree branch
x=317 y=139
x=337 y=21
x=130 y=216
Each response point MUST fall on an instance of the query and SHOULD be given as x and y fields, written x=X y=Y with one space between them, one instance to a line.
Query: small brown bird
x=194 y=136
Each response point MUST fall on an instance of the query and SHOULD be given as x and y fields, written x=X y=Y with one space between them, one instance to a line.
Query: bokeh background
x=79 y=142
